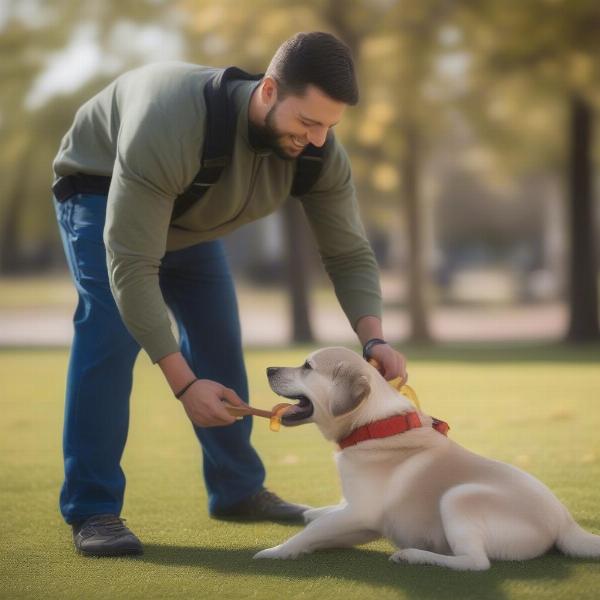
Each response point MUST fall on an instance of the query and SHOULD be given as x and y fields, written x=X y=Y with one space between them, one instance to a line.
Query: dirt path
x=269 y=325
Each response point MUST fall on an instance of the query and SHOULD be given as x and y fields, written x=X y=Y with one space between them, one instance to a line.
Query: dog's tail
x=575 y=541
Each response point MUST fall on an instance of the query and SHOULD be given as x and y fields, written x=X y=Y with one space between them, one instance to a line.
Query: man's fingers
x=205 y=407
x=392 y=367
x=397 y=369
x=401 y=366
x=219 y=413
x=390 y=374
x=403 y=372
x=219 y=416
x=226 y=420
x=390 y=364
x=230 y=396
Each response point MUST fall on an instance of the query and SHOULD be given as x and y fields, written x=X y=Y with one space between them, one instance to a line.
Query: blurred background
x=472 y=147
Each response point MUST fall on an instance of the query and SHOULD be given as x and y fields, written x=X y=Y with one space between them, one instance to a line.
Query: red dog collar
x=388 y=427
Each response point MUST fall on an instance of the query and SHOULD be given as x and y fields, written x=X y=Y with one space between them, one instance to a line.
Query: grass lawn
x=536 y=407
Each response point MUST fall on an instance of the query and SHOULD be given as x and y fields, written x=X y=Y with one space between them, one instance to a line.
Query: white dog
x=437 y=502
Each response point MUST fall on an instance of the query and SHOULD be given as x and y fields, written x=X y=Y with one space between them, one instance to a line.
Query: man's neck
x=256 y=111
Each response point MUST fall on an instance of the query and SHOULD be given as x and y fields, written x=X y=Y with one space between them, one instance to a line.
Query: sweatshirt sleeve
x=150 y=171
x=333 y=214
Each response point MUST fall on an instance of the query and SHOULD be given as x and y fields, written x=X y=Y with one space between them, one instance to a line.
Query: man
x=130 y=260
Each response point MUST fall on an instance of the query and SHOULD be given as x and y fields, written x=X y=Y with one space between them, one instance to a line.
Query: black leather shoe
x=263 y=506
x=105 y=535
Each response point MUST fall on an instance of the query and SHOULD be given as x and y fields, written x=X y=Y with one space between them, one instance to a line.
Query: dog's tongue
x=289 y=409
x=293 y=414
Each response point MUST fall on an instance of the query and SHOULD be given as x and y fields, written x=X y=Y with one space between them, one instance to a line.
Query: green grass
x=536 y=407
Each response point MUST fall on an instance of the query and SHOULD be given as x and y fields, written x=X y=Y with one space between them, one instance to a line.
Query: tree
x=31 y=132
x=549 y=49
x=399 y=61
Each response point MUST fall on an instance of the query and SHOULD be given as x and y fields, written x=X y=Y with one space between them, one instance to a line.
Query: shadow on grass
x=371 y=567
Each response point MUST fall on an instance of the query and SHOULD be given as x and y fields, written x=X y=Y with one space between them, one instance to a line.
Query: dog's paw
x=280 y=552
x=411 y=556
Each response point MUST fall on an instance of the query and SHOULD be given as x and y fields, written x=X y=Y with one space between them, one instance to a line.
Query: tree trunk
x=11 y=258
x=583 y=288
x=296 y=234
x=335 y=13
x=417 y=280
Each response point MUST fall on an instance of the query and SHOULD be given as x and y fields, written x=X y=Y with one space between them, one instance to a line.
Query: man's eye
x=306 y=365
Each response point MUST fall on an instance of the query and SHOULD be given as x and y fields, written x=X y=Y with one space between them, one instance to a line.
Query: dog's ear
x=352 y=389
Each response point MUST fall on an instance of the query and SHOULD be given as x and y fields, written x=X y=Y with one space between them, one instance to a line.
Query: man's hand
x=203 y=403
x=392 y=364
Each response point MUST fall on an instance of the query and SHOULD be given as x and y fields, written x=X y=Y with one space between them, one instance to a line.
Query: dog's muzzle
x=296 y=414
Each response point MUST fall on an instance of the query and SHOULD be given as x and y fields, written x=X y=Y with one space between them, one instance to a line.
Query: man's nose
x=317 y=136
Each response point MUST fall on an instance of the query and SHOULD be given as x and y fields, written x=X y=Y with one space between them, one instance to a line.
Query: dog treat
x=242 y=411
x=276 y=413
x=407 y=391
x=398 y=384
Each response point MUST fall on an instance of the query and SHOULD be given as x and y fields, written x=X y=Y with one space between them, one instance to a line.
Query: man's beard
x=268 y=136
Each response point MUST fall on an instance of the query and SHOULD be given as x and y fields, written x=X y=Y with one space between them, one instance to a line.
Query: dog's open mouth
x=298 y=413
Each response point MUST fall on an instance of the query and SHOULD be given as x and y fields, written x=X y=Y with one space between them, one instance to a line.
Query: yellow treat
x=404 y=389
x=276 y=413
x=407 y=391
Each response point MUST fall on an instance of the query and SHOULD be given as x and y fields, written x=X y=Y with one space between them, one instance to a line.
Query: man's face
x=295 y=121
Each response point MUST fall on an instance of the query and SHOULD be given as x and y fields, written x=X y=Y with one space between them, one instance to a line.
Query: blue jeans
x=197 y=286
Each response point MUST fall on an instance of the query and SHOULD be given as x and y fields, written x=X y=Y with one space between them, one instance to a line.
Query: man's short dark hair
x=315 y=58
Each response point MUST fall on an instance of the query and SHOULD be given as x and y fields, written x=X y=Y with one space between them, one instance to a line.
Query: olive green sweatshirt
x=146 y=130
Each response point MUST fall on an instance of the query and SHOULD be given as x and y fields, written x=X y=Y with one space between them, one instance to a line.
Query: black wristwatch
x=369 y=344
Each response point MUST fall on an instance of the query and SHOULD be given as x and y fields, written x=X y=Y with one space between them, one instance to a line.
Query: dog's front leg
x=315 y=513
x=336 y=529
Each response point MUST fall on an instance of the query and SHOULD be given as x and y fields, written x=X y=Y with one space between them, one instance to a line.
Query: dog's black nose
x=272 y=371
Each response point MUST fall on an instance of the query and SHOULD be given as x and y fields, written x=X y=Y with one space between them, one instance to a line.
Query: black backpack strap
x=309 y=166
x=218 y=139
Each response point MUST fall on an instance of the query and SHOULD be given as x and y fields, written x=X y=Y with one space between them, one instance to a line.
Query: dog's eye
x=306 y=365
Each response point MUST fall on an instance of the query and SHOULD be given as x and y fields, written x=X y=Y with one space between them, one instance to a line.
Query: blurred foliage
x=525 y=59
x=32 y=35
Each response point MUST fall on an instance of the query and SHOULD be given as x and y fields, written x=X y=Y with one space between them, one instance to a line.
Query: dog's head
x=332 y=388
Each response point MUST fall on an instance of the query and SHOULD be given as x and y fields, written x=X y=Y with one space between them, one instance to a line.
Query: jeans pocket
x=90 y=257
x=88 y=214
x=82 y=223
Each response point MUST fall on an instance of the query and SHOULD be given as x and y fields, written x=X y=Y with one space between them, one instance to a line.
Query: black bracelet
x=185 y=389
x=369 y=344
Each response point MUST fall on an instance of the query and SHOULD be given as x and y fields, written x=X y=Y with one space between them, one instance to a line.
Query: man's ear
x=269 y=91
x=351 y=389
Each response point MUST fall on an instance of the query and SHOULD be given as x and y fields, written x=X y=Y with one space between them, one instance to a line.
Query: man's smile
x=297 y=143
